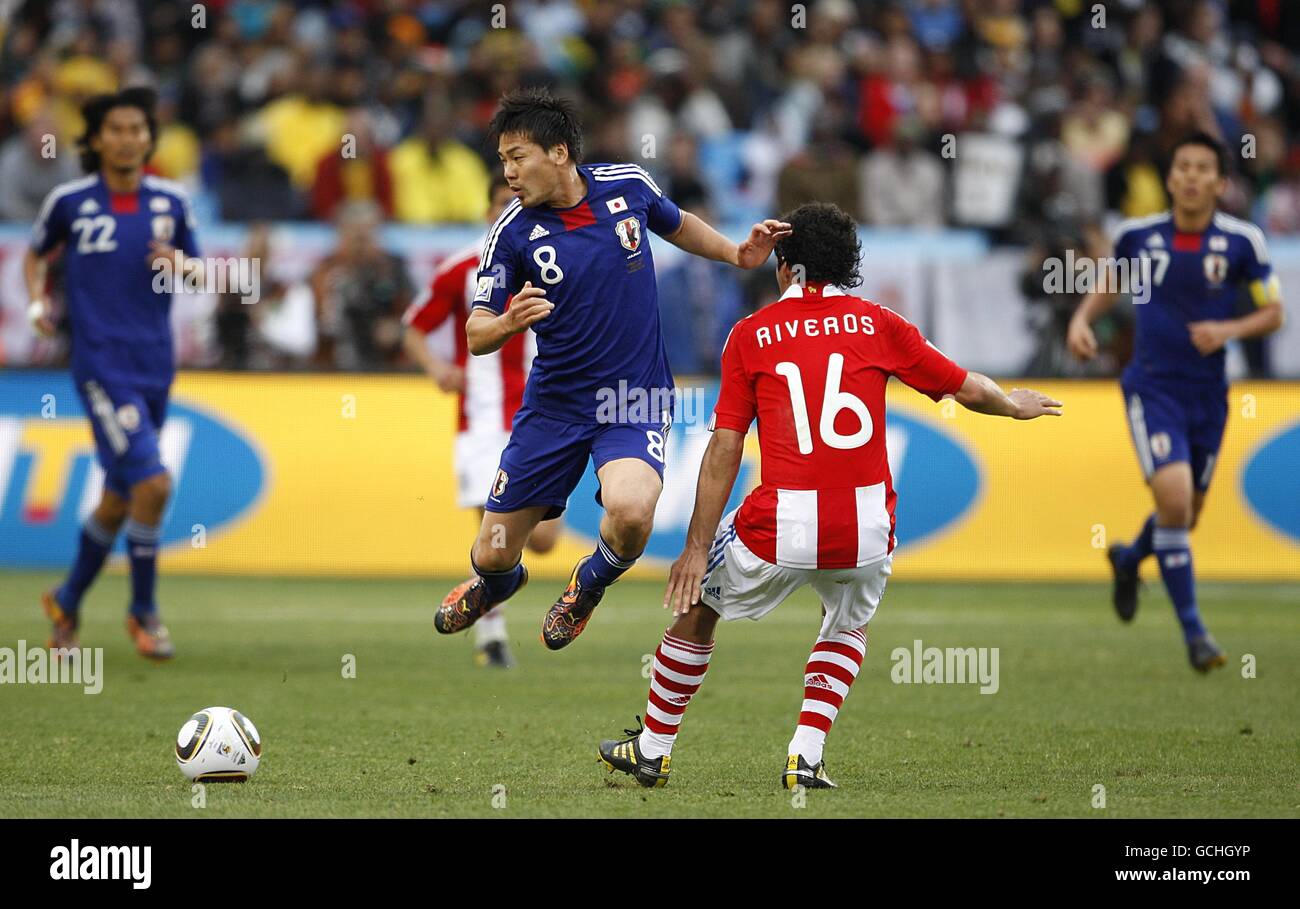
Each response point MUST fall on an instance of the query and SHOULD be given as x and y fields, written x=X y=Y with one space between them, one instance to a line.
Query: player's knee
x=489 y=556
x=111 y=513
x=1174 y=508
x=153 y=491
x=631 y=512
x=698 y=624
x=543 y=540
x=541 y=547
x=1175 y=514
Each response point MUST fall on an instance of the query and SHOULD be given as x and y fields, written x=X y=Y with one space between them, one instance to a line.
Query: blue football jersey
x=594 y=262
x=1193 y=278
x=120 y=324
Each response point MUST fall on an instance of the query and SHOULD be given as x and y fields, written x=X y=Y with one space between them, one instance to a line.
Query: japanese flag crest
x=629 y=233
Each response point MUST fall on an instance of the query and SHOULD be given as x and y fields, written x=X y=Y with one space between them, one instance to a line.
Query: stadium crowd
x=374 y=111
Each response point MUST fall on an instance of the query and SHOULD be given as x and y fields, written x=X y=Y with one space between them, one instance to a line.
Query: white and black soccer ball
x=218 y=745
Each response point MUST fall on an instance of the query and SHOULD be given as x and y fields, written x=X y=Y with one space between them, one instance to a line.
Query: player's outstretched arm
x=982 y=395
x=446 y=374
x=485 y=331
x=1079 y=338
x=698 y=238
x=717 y=476
x=39 y=313
x=1209 y=336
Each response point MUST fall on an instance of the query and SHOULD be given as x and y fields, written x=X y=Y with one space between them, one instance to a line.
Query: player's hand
x=1080 y=339
x=41 y=317
x=526 y=307
x=449 y=377
x=160 y=254
x=762 y=240
x=1207 y=337
x=685 y=579
x=1031 y=404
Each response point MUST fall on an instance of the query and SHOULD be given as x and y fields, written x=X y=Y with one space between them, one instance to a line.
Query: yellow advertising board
x=353 y=475
x=1054 y=492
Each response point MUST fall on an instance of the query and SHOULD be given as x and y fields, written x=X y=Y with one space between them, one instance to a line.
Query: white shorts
x=740 y=585
x=477 y=456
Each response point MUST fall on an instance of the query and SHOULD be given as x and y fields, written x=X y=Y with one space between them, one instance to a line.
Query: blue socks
x=1142 y=547
x=93 y=548
x=603 y=568
x=142 y=548
x=500 y=585
x=1173 y=552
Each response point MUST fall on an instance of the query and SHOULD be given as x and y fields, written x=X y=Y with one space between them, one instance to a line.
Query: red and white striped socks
x=832 y=667
x=679 y=668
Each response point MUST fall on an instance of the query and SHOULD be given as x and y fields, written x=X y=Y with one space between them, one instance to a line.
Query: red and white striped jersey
x=812 y=368
x=494 y=383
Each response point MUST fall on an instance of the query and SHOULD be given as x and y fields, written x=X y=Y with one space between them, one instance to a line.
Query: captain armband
x=1266 y=290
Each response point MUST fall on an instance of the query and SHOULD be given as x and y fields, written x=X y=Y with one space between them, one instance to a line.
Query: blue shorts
x=545 y=458
x=1172 y=422
x=126 y=423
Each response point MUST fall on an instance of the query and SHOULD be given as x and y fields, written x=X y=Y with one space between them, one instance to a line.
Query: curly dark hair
x=94 y=111
x=541 y=117
x=824 y=242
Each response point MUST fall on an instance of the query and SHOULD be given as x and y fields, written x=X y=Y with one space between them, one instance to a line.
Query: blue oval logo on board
x=1270 y=483
x=50 y=478
x=936 y=479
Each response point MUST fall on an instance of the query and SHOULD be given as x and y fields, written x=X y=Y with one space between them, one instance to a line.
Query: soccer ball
x=218 y=745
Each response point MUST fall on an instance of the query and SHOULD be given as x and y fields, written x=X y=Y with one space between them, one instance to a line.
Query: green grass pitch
x=420 y=731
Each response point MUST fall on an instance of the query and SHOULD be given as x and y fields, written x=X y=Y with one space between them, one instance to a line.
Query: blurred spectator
x=1281 y=204
x=303 y=126
x=747 y=60
x=896 y=91
x=742 y=108
x=1263 y=160
x=1049 y=314
x=177 y=150
x=235 y=321
x=83 y=70
x=606 y=140
x=1093 y=131
x=826 y=170
x=903 y=184
x=678 y=102
x=249 y=186
x=108 y=19
x=284 y=83
x=1136 y=185
x=549 y=24
x=817 y=71
x=1238 y=85
x=1137 y=57
x=32 y=163
x=437 y=178
x=361 y=292
x=684 y=185
x=937 y=24
x=209 y=97
x=352 y=173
